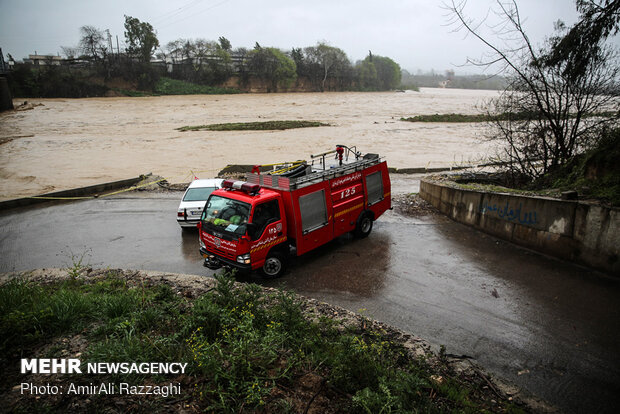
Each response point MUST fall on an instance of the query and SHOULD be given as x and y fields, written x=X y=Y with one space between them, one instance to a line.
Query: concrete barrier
x=75 y=192
x=577 y=231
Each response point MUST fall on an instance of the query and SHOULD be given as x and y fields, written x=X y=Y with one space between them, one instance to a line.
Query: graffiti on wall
x=510 y=213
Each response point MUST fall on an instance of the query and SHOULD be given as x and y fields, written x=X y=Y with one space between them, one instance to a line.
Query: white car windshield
x=198 y=193
x=224 y=214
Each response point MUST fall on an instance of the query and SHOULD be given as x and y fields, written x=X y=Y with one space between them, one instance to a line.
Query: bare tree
x=545 y=116
x=92 y=43
x=69 y=51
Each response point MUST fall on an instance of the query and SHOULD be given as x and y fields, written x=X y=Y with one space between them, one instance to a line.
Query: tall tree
x=225 y=43
x=141 y=39
x=329 y=59
x=273 y=66
x=378 y=73
x=582 y=43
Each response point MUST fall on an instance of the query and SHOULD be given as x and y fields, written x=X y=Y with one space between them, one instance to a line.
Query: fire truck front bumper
x=214 y=262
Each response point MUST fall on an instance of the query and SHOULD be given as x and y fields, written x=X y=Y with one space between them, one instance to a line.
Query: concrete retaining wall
x=75 y=192
x=584 y=233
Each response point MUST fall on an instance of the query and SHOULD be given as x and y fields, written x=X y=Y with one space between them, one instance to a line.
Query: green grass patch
x=246 y=349
x=254 y=126
x=409 y=87
x=506 y=116
x=131 y=93
x=169 y=86
x=494 y=188
x=447 y=118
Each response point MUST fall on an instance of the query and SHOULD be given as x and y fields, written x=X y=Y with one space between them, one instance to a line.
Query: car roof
x=211 y=182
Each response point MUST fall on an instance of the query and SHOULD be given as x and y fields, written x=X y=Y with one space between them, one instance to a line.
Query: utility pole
x=109 y=41
x=118 y=49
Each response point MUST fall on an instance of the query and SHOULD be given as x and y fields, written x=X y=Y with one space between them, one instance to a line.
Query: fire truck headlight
x=244 y=259
x=202 y=244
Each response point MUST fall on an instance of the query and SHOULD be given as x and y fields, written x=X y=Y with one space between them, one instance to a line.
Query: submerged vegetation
x=247 y=349
x=486 y=117
x=254 y=126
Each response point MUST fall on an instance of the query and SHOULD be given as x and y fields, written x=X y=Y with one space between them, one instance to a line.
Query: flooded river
x=67 y=143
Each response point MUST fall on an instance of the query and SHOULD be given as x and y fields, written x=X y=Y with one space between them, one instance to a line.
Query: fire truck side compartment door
x=315 y=231
x=374 y=187
x=313 y=211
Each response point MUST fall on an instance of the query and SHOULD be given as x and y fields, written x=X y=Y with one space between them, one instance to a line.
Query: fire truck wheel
x=364 y=226
x=274 y=265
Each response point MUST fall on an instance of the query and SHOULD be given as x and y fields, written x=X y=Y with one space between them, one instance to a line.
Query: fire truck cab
x=258 y=224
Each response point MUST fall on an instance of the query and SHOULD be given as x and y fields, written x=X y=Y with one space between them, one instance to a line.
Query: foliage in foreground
x=246 y=349
x=594 y=174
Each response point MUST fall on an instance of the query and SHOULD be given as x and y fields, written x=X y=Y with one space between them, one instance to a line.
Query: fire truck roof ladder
x=292 y=183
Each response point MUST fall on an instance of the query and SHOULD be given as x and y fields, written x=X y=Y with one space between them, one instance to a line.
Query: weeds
x=246 y=349
x=169 y=86
x=77 y=264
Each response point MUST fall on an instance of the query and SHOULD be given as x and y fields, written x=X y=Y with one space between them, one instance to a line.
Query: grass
x=506 y=116
x=494 y=188
x=409 y=87
x=131 y=93
x=254 y=126
x=169 y=86
x=247 y=349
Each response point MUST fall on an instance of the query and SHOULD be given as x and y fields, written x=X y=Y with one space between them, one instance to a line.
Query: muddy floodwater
x=67 y=143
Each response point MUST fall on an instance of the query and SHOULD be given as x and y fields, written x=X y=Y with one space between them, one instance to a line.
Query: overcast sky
x=415 y=33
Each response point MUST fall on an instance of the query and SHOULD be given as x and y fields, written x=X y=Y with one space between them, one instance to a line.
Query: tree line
x=205 y=62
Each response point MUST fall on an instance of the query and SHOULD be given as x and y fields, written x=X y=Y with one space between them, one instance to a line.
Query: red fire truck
x=259 y=223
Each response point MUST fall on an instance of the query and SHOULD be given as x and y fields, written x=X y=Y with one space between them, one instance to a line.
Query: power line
x=193 y=14
x=175 y=12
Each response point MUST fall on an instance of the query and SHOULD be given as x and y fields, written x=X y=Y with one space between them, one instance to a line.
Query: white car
x=194 y=200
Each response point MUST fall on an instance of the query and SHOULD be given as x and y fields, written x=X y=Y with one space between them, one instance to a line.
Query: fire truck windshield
x=225 y=215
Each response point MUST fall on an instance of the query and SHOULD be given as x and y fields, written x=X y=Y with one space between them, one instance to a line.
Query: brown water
x=67 y=143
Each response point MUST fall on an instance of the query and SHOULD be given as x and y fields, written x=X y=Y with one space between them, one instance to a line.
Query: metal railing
x=288 y=184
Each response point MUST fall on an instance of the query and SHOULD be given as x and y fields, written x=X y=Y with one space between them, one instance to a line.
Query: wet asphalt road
x=542 y=324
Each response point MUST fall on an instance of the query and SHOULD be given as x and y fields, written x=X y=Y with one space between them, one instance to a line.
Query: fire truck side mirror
x=251 y=228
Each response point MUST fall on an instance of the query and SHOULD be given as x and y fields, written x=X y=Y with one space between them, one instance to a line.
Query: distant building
x=44 y=60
